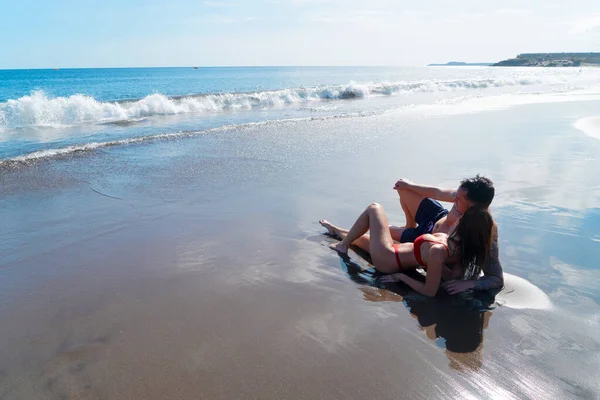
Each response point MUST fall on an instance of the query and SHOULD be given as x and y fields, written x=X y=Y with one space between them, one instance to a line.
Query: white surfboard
x=519 y=293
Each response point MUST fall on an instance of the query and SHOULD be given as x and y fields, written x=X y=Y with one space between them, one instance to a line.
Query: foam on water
x=460 y=105
x=91 y=146
x=39 y=109
x=590 y=126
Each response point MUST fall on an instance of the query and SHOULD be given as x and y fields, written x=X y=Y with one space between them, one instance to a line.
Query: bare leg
x=381 y=244
x=408 y=213
x=409 y=201
x=396 y=232
x=362 y=242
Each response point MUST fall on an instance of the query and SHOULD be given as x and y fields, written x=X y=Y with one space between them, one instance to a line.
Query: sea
x=159 y=234
x=49 y=113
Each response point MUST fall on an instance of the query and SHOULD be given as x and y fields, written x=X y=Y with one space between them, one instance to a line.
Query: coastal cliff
x=551 y=60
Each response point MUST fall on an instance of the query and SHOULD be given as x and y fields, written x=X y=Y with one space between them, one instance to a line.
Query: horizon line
x=217 y=66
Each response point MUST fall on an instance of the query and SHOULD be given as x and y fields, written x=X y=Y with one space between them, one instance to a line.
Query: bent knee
x=375 y=205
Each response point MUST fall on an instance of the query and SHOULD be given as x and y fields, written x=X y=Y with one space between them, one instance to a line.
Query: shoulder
x=438 y=252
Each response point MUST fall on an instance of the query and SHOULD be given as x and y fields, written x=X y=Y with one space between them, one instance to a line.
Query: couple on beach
x=455 y=245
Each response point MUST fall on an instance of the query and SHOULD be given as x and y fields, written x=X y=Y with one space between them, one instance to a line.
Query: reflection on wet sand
x=455 y=323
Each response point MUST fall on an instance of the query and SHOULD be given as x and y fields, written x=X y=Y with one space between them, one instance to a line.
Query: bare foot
x=329 y=226
x=342 y=248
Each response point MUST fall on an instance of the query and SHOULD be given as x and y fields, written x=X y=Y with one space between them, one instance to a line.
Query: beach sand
x=196 y=268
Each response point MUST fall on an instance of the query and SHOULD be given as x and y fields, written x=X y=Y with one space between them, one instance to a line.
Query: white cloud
x=224 y=19
x=363 y=17
x=512 y=11
x=216 y=4
x=585 y=25
x=370 y=12
x=474 y=14
x=342 y=4
x=304 y=2
x=324 y=20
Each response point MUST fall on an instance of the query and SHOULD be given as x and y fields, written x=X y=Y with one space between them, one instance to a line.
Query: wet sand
x=196 y=268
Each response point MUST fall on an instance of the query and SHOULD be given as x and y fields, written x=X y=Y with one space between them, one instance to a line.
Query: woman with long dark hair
x=467 y=247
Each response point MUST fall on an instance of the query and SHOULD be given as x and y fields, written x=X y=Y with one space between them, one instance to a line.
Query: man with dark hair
x=480 y=190
x=424 y=214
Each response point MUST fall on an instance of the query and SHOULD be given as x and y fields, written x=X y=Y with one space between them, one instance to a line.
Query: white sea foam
x=38 y=109
x=590 y=126
x=91 y=146
x=460 y=105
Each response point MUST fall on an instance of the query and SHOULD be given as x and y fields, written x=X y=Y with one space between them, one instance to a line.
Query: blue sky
x=94 y=33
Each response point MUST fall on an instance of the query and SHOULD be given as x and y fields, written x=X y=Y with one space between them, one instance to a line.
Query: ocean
x=44 y=113
x=160 y=235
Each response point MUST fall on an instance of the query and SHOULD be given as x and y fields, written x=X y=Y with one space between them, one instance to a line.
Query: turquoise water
x=49 y=113
x=113 y=84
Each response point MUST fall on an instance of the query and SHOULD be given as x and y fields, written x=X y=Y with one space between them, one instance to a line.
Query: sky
x=110 y=33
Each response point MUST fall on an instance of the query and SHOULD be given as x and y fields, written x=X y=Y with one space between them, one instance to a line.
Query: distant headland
x=457 y=64
x=537 y=60
x=551 y=60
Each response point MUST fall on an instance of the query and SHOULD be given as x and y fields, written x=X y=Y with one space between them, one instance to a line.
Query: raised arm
x=432 y=192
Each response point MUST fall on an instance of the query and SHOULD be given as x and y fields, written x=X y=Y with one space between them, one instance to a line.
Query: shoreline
x=203 y=274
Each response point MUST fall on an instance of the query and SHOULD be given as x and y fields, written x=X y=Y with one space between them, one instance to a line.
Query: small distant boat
x=56 y=69
x=195 y=67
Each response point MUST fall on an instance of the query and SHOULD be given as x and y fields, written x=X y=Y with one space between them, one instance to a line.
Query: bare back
x=428 y=241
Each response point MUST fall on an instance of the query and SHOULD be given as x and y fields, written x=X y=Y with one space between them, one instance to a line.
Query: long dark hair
x=472 y=238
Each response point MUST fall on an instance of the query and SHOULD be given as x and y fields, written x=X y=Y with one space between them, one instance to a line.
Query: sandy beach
x=195 y=268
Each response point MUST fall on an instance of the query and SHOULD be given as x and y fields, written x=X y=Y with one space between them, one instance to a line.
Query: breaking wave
x=38 y=109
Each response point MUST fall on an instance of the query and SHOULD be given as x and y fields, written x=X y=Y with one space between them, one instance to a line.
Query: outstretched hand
x=458 y=286
x=402 y=184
